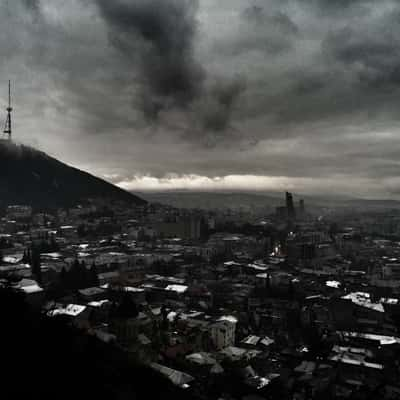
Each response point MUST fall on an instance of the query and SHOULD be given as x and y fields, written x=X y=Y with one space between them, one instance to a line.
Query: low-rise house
x=77 y=314
x=34 y=294
x=92 y=294
x=109 y=277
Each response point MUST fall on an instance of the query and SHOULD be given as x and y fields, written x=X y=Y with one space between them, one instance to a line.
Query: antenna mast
x=7 y=128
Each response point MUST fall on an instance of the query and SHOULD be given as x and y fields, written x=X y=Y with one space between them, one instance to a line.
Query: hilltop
x=29 y=176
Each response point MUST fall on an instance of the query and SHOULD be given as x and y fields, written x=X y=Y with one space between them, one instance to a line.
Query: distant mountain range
x=212 y=200
x=260 y=200
x=29 y=176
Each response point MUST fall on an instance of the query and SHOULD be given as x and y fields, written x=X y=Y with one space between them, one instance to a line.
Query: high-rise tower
x=290 y=206
x=7 y=128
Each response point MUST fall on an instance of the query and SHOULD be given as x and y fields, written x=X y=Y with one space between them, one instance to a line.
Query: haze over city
x=210 y=94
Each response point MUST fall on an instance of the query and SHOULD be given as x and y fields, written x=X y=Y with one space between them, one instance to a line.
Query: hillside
x=29 y=176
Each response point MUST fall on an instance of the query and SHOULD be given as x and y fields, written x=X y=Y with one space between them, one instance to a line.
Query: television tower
x=7 y=127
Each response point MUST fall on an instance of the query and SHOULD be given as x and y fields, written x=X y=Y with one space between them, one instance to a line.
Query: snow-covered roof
x=133 y=289
x=201 y=358
x=387 y=300
x=234 y=352
x=333 y=284
x=51 y=255
x=13 y=259
x=382 y=339
x=354 y=359
x=267 y=341
x=32 y=289
x=98 y=303
x=177 y=288
x=251 y=340
x=178 y=378
x=71 y=310
x=229 y=318
x=364 y=300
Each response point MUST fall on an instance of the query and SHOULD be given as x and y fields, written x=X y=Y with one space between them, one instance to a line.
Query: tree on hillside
x=35 y=264
x=79 y=276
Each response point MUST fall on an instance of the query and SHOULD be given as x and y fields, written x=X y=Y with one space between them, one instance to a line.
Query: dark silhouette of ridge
x=29 y=176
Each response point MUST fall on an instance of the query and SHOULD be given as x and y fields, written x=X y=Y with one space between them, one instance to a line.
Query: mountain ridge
x=30 y=176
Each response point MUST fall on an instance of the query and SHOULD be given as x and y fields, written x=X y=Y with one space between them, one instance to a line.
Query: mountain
x=29 y=176
x=214 y=200
x=262 y=200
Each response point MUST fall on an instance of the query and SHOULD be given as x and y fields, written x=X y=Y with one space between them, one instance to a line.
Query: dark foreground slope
x=45 y=358
x=29 y=176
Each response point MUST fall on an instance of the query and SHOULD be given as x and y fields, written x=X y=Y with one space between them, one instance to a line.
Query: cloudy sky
x=233 y=94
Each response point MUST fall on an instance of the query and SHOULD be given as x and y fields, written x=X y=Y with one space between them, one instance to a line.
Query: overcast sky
x=159 y=94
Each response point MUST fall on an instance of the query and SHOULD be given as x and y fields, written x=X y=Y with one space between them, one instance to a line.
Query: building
x=290 y=207
x=19 y=212
x=222 y=333
x=185 y=227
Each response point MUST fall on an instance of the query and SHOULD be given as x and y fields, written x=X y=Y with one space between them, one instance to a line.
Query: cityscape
x=200 y=200
x=222 y=303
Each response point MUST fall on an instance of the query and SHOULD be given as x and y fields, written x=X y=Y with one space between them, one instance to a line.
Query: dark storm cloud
x=292 y=88
x=337 y=3
x=159 y=36
x=282 y=21
x=338 y=8
x=217 y=108
x=376 y=57
x=159 y=69
x=156 y=40
x=261 y=30
x=33 y=5
x=310 y=84
x=352 y=74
